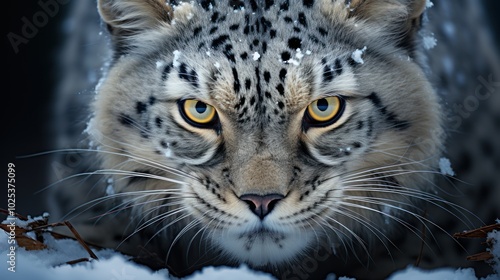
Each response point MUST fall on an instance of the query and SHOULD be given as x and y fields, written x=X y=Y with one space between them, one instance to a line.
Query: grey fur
x=392 y=122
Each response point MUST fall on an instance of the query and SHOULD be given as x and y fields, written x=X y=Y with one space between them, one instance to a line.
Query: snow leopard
x=297 y=137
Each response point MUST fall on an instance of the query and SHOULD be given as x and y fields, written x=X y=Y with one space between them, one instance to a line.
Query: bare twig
x=78 y=261
x=7 y=212
x=40 y=226
x=481 y=232
x=80 y=240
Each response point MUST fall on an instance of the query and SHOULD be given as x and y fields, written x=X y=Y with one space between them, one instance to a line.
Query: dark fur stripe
x=389 y=116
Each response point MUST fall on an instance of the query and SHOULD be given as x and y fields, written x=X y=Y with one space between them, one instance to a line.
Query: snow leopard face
x=267 y=127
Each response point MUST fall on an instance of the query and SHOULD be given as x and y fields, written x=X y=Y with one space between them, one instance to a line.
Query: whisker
x=422 y=219
x=368 y=225
x=398 y=220
x=138 y=159
x=352 y=233
x=421 y=195
x=156 y=220
x=142 y=193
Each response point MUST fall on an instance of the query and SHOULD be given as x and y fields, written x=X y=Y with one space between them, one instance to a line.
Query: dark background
x=32 y=76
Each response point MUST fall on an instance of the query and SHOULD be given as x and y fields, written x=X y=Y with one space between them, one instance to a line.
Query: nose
x=261 y=205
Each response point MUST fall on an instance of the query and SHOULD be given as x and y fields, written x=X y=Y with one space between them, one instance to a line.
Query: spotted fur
x=260 y=64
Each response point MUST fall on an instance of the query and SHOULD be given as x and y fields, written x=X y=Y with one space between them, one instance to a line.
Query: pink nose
x=261 y=205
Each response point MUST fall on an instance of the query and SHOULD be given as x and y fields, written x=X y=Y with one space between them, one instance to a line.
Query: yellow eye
x=324 y=111
x=198 y=112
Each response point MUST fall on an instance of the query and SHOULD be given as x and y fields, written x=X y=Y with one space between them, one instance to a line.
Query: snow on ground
x=495 y=236
x=50 y=264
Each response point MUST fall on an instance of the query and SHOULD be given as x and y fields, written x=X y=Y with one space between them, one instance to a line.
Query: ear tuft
x=126 y=18
x=417 y=8
x=134 y=14
x=398 y=19
x=397 y=11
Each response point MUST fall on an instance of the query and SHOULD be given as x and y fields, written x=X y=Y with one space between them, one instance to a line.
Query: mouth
x=262 y=231
x=262 y=234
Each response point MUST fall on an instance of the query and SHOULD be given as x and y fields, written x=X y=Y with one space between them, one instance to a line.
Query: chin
x=263 y=247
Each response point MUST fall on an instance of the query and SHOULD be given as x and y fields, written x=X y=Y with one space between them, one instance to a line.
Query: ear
x=127 y=18
x=386 y=11
x=382 y=21
x=399 y=19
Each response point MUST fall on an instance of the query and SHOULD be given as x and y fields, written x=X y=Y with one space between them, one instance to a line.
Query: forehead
x=262 y=60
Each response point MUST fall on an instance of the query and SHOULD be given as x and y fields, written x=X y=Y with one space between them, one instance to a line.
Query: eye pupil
x=324 y=112
x=198 y=113
x=200 y=107
x=322 y=104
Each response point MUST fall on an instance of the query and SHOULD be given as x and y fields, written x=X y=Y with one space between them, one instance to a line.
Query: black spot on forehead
x=253 y=5
x=267 y=76
x=205 y=4
x=322 y=31
x=229 y=53
x=302 y=19
x=308 y=3
x=166 y=72
x=152 y=100
x=283 y=73
x=214 y=17
x=188 y=75
x=285 y=56
x=266 y=24
x=268 y=4
x=159 y=122
x=327 y=74
x=280 y=89
x=294 y=43
x=236 y=4
x=197 y=30
x=236 y=84
x=272 y=33
x=219 y=41
x=258 y=86
x=330 y=71
x=284 y=5
x=140 y=107
x=264 y=47
x=338 y=67
x=164 y=144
